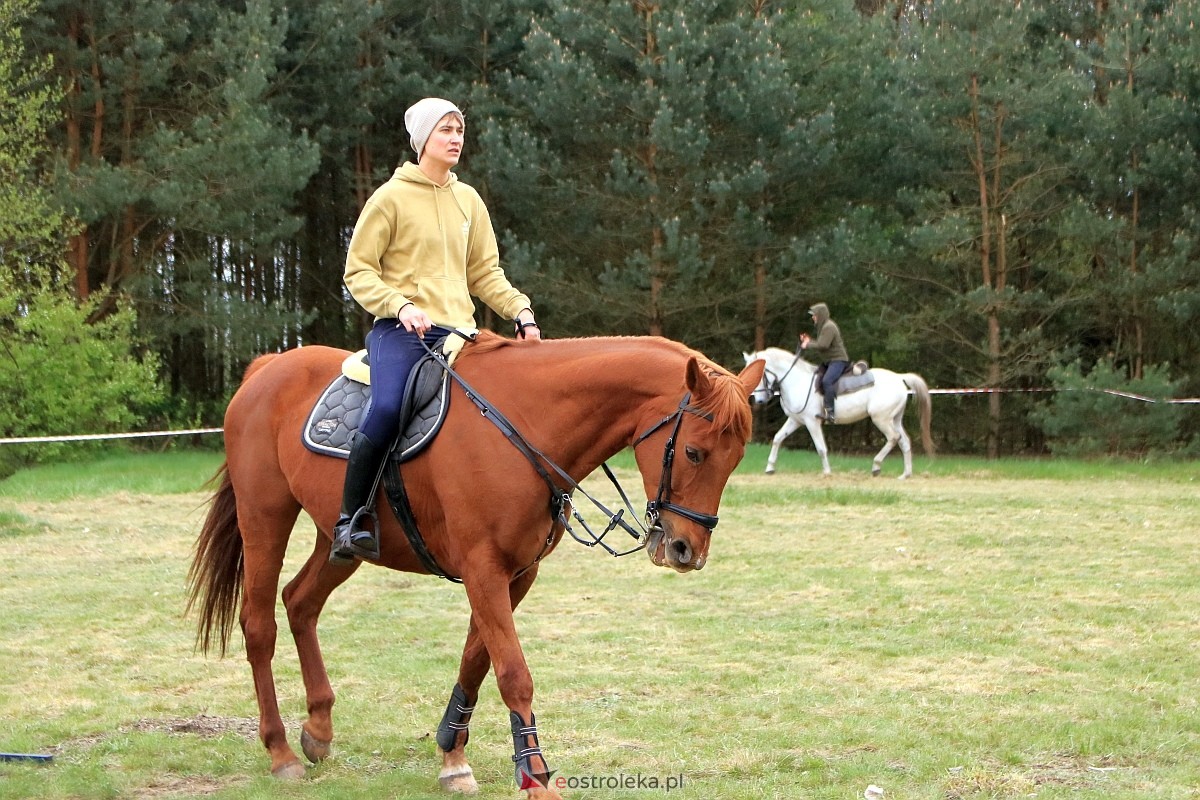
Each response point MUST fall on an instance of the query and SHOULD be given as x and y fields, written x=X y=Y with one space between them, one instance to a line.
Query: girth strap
x=398 y=500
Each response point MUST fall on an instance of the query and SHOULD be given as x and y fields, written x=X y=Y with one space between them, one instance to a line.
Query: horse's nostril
x=681 y=551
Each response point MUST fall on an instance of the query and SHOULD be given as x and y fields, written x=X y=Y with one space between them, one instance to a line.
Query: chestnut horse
x=481 y=505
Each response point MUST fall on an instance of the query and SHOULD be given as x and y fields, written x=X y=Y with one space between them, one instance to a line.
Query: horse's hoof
x=316 y=751
x=875 y=472
x=459 y=779
x=291 y=771
x=903 y=477
x=770 y=471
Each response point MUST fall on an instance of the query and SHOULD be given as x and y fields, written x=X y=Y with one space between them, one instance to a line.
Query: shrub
x=61 y=374
x=1104 y=412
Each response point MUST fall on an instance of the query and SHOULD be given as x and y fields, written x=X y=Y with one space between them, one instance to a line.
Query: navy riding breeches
x=833 y=371
x=393 y=352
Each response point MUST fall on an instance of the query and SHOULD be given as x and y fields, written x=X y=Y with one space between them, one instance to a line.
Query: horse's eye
x=693 y=455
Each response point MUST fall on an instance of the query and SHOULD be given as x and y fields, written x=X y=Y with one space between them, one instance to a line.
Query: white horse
x=794 y=380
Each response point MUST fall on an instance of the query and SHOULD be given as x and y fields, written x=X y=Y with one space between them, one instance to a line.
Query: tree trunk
x=760 y=302
x=1139 y=343
x=658 y=270
x=988 y=278
x=78 y=244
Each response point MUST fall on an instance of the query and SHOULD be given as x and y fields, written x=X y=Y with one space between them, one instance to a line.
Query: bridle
x=773 y=384
x=662 y=498
x=769 y=379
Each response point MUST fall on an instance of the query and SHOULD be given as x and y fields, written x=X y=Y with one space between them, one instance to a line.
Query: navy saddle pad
x=339 y=411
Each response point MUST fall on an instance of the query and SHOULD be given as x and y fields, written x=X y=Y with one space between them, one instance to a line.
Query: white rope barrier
x=1113 y=392
x=92 y=437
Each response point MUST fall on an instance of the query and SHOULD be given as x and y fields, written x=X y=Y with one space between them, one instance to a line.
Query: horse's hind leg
x=303 y=598
x=894 y=433
x=905 y=449
x=456 y=774
x=265 y=533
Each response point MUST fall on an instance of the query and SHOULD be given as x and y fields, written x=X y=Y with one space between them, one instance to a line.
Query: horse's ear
x=751 y=376
x=698 y=382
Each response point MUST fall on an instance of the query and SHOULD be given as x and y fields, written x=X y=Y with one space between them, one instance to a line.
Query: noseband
x=662 y=499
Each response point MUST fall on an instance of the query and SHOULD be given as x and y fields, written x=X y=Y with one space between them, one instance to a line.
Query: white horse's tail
x=924 y=407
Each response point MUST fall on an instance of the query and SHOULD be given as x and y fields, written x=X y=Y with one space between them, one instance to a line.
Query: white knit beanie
x=422 y=116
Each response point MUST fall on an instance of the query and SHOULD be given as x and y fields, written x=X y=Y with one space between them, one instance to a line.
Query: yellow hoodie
x=418 y=242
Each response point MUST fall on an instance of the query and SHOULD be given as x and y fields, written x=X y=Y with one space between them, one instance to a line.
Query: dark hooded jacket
x=827 y=344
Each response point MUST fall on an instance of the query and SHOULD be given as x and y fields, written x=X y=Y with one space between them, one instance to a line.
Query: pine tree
x=58 y=373
x=1139 y=174
x=993 y=112
x=180 y=173
x=649 y=167
x=31 y=224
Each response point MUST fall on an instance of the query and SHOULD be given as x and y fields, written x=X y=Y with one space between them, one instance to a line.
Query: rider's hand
x=414 y=319
x=527 y=327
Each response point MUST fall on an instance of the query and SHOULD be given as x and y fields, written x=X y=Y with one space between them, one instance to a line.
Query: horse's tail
x=924 y=407
x=215 y=577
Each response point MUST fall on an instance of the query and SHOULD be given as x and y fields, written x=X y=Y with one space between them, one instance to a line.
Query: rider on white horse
x=828 y=351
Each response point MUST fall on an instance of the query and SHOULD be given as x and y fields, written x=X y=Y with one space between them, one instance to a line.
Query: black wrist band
x=521 y=326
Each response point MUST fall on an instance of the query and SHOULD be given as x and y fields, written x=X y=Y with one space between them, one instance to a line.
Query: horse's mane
x=728 y=405
x=485 y=342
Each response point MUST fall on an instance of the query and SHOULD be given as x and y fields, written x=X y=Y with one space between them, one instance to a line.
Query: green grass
x=136 y=472
x=182 y=471
x=984 y=630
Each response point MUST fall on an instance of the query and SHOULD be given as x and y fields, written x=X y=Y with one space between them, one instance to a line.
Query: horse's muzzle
x=761 y=397
x=667 y=551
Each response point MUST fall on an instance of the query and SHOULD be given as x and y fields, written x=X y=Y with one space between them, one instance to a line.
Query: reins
x=778 y=392
x=561 y=499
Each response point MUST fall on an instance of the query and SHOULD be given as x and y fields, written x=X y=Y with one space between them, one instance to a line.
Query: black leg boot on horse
x=356 y=533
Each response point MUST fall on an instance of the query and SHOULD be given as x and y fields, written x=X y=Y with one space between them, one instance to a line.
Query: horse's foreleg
x=453 y=732
x=303 y=598
x=491 y=611
x=263 y=560
x=818 y=438
x=787 y=430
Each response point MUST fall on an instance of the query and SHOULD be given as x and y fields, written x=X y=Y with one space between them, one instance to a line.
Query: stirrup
x=350 y=541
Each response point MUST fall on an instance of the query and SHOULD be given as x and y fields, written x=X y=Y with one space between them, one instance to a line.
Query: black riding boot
x=830 y=394
x=355 y=533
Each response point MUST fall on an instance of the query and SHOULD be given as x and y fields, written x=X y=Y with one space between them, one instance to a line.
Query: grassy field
x=985 y=630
